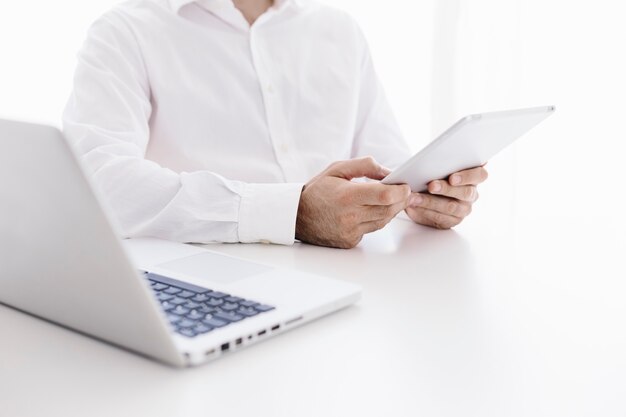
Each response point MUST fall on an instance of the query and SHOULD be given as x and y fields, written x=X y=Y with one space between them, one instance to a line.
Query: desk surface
x=524 y=317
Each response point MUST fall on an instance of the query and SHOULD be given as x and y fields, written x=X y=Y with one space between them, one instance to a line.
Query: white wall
x=400 y=34
x=38 y=42
x=574 y=56
x=497 y=54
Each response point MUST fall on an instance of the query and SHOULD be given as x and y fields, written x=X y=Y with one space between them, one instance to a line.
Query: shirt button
x=270 y=89
x=265 y=241
x=284 y=148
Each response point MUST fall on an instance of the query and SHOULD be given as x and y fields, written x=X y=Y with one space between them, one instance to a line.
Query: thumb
x=357 y=168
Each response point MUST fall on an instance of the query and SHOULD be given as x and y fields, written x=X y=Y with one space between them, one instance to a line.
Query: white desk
x=525 y=317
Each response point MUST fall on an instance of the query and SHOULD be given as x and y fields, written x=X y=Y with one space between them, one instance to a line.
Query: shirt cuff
x=267 y=213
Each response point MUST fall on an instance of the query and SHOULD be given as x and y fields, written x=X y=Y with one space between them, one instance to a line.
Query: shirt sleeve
x=107 y=122
x=377 y=131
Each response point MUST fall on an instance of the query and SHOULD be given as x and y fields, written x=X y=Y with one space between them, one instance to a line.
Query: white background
x=438 y=61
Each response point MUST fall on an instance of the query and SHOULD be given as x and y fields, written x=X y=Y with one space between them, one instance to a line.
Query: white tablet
x=468 y=143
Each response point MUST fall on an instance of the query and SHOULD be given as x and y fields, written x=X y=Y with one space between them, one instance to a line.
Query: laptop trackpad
x=215 y=267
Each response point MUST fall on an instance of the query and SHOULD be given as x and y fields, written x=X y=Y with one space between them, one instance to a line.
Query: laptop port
x=239 y=341
x=209 y=352
x=293 y=320
x=225 y=347
x=276 y=327
x=262 y=332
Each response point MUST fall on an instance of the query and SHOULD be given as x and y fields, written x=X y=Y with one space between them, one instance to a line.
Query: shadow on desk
x=402 y=251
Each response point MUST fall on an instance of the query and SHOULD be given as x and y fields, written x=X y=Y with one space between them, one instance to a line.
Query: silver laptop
x=61 y=260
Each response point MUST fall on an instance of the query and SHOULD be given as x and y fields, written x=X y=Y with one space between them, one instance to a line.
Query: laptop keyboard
x=194 y=310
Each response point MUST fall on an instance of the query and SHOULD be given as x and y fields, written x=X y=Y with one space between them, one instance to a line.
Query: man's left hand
x=447 y=202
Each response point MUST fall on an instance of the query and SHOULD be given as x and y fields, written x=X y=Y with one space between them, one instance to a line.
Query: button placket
x=272 y=104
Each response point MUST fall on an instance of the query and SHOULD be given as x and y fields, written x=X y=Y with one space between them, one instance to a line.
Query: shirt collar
x=279 y=4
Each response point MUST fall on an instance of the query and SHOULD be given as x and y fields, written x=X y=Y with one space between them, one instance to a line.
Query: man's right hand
x=336 y=212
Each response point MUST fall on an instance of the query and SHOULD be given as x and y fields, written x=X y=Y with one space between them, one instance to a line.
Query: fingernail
x=416 y=200
x=455 y=179
x=436 y=187
x=385 y=171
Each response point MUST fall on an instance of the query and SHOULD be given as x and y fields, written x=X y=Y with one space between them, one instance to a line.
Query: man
x=205 y=121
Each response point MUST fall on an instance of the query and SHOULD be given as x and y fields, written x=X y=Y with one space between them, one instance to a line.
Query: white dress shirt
x=198 y=127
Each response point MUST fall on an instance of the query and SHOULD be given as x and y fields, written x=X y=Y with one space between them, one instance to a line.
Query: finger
x=377 y=194
x=467 y=193
x=372 y=226
x=374 y=213
x=432 y=218
x=473 y=176
x=444 y=205
x=357 y=168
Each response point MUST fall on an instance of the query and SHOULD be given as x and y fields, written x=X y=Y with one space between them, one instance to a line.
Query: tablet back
x=469 y=143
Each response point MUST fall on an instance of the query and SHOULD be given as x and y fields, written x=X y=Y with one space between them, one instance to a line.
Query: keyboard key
x=186 y=323
x=200 y=298
x=248 y=303
x=263 y=308
x=213 y=322
x=172 y=290
x=164 y=297
x=187 y=304
x=229 y=306
x=247 y=311
x=177 y=301
x=229 y=316
x=187 y=332
x=195 y=315
x=157 y=286
x=173 y=318
x=192 y=305
x=166 y=306
x=206 y=309
x=217 y=294
x=185 y=294
x=180 y=310
x=201 y=328
x=214 y=302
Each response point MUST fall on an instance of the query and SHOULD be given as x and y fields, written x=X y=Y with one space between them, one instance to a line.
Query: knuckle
x=346 y=197
x=385 y=197
x=437 y=220
x=349 y=219
x=452 y=207
x=468 y=193
x=369 y=161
